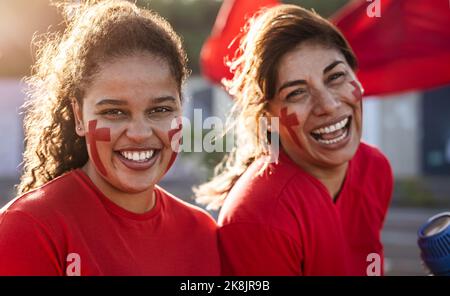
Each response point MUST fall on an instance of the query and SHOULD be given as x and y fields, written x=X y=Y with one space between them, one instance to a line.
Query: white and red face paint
x=125 y=117
x=289 y=121
x=93 y=136
x=175 y=138
x=358 y=91
x=317 y=91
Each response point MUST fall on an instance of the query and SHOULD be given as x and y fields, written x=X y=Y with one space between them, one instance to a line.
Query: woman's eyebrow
x=331 y=66
x=157 y=100
x=292 y=83
x=164 y=99
x=300 y=81
x=111 y=102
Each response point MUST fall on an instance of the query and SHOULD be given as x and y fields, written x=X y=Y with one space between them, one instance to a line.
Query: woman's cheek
x=175 y=134
x=170 y=134
x=350 y=90
x=290 y=120
x=357 y=90
x=175 y=138
x=165 y=131
x=95 y=135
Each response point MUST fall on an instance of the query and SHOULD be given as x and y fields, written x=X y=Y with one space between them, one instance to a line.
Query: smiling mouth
x=333 y=133
x=138 y=156
x=138 y=160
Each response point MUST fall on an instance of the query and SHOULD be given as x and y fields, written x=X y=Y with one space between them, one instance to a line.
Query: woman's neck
x=138 y=203
x=331 y=177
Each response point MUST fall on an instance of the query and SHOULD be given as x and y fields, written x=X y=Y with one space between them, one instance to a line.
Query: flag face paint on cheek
x=290 y=120
x=93 y=136
x=357 y=93
x=171 y=135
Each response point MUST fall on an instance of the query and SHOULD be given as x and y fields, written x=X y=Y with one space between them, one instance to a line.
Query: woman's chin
x=134 y=181
x=134 y=188
x=133 y=184
x=339 y=157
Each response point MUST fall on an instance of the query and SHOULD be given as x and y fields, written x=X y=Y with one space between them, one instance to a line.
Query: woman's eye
x=113 y=113
x=160 y=110
x=296 y=95
x=335 y=77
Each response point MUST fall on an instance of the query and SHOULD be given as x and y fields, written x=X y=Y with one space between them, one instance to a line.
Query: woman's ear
x=78 y=117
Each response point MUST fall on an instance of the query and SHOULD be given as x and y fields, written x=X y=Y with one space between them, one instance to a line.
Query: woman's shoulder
x=367 y=152
x=264 y=191
x=183 y=211
x=45 y=198
x=369 y=158
x=269 y=179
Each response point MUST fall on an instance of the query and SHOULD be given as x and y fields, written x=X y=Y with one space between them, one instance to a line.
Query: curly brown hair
x=270 y=35
x=97 y=31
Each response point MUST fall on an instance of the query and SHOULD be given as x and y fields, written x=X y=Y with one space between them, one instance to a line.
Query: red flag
x=231 y=18
x=406 y=48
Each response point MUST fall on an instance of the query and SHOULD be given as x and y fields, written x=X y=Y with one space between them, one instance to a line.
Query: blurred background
x=412 y=128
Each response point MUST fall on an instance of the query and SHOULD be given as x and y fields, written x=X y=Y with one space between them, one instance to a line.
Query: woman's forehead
x=309 y=59
x=309 y=54
x=133 y=77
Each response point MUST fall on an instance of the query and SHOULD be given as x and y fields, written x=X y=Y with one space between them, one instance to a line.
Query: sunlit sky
x=19 y=20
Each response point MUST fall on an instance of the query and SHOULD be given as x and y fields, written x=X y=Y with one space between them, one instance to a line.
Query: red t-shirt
x=41 y=231
x=283 y=221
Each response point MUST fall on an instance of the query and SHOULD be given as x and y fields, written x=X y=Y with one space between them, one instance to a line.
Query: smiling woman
x=136 y=98
x=104 y=109
x=319 y=209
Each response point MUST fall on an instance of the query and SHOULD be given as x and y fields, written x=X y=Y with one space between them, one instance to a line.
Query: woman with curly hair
x=101 y=130
x=318 y=209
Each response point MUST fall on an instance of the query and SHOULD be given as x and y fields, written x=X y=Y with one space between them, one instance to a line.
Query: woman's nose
x=325 y=102
x=139 y=130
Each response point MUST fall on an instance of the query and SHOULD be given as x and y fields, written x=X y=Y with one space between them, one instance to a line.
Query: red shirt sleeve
x=257 y=250
x=26 y=247
x=386 y=196
x=389 y=185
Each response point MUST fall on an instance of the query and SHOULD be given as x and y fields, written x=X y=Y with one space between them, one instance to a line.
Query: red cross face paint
x=358 y=91
x=289 y=121
x=318 y=102
x=129 y=109
x=93 y=136
x=175 y=139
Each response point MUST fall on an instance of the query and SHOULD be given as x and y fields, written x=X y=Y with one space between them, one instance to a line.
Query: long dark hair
x=273 y=33
x=97 y=31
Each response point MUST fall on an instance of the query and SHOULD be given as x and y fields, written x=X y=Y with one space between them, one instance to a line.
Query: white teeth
x=333 y=141
x=331 y=128
x=137 y=156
